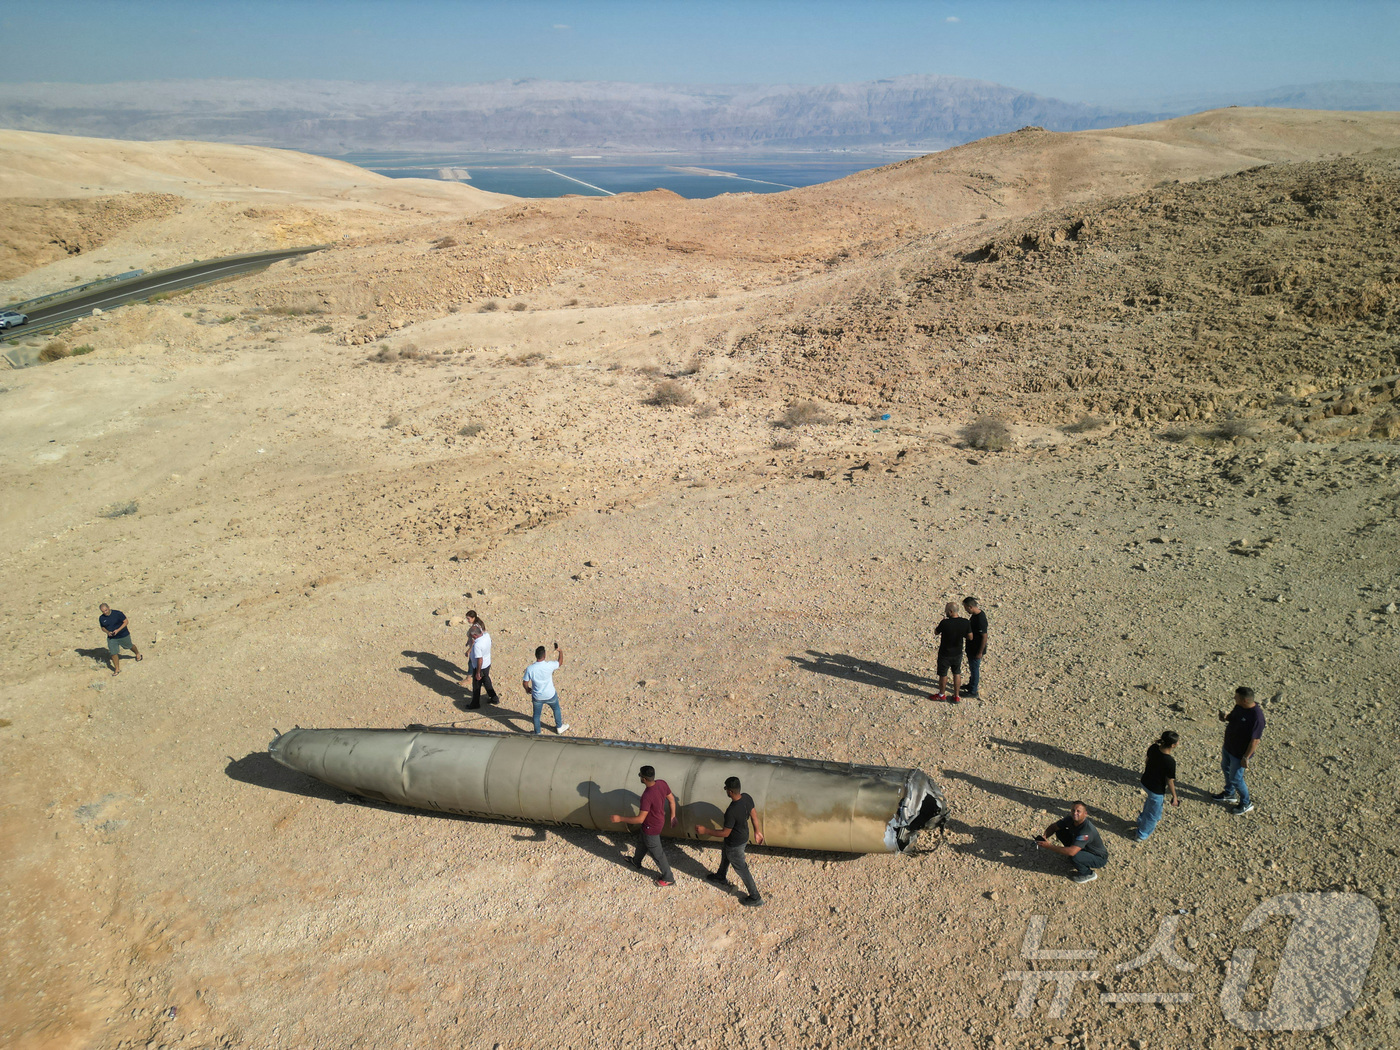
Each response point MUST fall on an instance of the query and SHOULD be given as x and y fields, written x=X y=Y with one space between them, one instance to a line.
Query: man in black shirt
x=1079 y=841
x=735 y=834
x=976 y=644
x=952 y=632
x=118 y=635
x=1158 y=778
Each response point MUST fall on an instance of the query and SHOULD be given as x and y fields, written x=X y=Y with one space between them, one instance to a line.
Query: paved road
x=47 y=317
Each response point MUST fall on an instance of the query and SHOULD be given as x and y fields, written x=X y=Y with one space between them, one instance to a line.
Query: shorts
x=116 y=645
x=950 y=662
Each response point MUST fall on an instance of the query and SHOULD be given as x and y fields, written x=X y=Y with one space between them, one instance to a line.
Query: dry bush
x=488 y=307
x=989 y=433
x=409 y=352
x=445 y=242
x=650 y=370
x=802 y=413
x=321 y=329
x=86 y=348
x=1083 y=425
x=385 y=355
x=1176 y=435
x=690 y=367
x=119 y=510
x=518 y=307
x=56 y=350
x=532 y=358
x=471 y=430
x=712 y=295
x=393 y=421
x=670 y=394
x=783 y=444
x=705 y=411
x=572 y=302
x=1229 y=428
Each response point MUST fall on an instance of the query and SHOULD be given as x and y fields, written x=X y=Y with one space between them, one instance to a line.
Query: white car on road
x=11 y=319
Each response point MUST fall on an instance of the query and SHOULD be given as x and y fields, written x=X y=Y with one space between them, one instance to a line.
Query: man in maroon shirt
x=656 y=796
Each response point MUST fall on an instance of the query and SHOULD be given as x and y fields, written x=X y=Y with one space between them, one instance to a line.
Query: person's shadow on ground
x=866 y=672
x=101 y=656
x=1100 y=770
x=1033 y=800
x=439 y=675
x=1002 y=847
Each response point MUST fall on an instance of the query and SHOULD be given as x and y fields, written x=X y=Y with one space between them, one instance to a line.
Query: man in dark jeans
x=656 y=797
x=976 y=644
x=735 y=833
x=1079 y=841
x=1244 y=725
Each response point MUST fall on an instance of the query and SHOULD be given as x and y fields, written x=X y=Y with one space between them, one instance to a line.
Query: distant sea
x=556 y=174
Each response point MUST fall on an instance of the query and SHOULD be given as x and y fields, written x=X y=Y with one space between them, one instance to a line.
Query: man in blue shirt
x=1244 y=725
x=539 y=683
x=118 y=635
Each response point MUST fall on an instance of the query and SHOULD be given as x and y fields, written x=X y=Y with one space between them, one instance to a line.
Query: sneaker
x=563 y=729
x=662 y=883
x=940 y=697
x=1240 y=811
x=970 y=696
x=1227 y=797
x=1138 y=838
x=751 y=902
x=955 y=699
x=717 y=879
x=1088 y=876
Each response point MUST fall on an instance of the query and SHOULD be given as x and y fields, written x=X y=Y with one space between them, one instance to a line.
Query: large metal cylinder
x=803 y=803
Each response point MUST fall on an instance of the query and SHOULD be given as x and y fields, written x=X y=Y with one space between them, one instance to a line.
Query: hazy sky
x=1100 y=52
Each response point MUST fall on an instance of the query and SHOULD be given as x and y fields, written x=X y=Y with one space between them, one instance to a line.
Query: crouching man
x=1079 y=841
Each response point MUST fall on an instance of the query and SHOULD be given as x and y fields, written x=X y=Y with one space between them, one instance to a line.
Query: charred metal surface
x=805 y=803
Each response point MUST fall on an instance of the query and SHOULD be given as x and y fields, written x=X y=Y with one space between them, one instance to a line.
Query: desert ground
x=1135 y=389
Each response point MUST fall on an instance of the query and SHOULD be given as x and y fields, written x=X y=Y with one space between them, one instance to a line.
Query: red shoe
x=955 y=699
x=938 y=696
x=662 y=883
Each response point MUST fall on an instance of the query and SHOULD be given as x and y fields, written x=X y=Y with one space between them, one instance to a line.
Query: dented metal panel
x=804 y=803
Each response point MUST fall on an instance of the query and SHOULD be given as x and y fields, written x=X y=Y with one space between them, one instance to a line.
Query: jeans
x=484 y=682
x=553 y=702
x=652 y=844
x=1233 y=768
x=974 y=674
x=1083 y=861
x=735 y=855
x=1150 y=815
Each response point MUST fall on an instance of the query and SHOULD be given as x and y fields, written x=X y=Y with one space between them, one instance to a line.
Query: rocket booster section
x=805 y=804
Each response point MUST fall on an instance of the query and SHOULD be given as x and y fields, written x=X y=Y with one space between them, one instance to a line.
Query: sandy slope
x=309 y=507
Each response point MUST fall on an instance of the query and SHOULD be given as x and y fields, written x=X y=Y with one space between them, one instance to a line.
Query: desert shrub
x=409 y=352
x=784 y=444
x=1175 y=435
x=801 y=413
x=227 y=318
x=455 y=308
x=572 y=302
x=489 y=306
x=532 y=358
x=670 y=394
x=519 y=307
x=690 y=367
x=362 y=317
x=1228 y=428
x=989 y=433
x=86 y=348
x=56 y=350
x=650 y=370
x=445 y=242
x=385 y=355
x=393 y=421
x=705 y=411
x=119 y=510
x=321 y=329
x=712 y=295
x=471 y=430
x=1083 y=425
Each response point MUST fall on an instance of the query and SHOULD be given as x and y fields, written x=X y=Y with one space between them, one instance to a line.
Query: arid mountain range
x=1137 y=388
x=910 y=112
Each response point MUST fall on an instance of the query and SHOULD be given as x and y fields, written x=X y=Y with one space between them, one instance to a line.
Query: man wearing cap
x=735 y=834
x=479 y=661
x=656 y=796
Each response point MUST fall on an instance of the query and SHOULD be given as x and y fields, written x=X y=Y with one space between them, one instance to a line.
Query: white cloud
x=952 y=18
x=558 y=26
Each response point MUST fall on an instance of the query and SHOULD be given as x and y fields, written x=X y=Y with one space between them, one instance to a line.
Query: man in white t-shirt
x=539 y=683
x=479 y=661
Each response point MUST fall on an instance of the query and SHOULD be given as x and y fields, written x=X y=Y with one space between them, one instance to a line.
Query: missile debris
x=806 y=803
